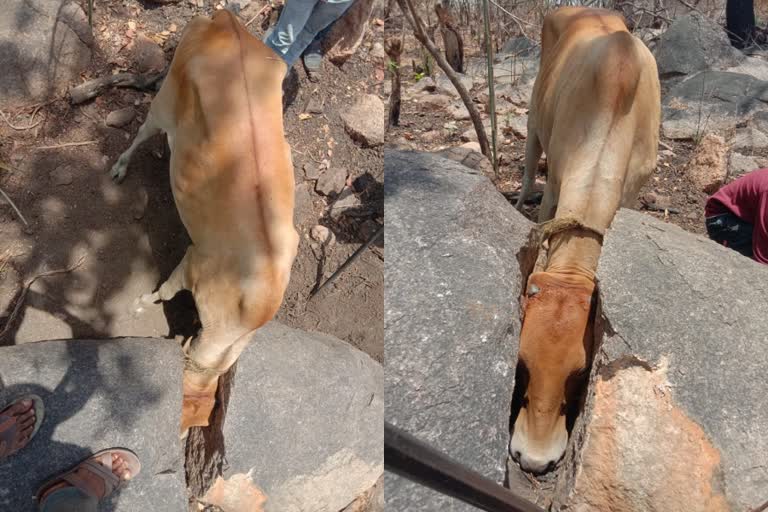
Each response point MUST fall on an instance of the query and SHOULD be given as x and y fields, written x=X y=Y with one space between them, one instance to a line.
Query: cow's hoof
x=118 y=171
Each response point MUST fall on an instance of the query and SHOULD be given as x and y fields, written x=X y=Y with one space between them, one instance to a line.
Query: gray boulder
x=444 y=85
x=303 y=427
x=712 y=101
x=678 y=418
x=451 y=317
x=44 y=46
x=694 y=43
x=98 y=394
x=518 y=46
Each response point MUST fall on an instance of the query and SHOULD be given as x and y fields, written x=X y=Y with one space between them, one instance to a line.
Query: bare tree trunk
x=394 y=48
x=418 y=30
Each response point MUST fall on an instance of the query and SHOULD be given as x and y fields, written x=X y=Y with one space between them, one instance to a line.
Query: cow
x=232 y=180
x=595 y=112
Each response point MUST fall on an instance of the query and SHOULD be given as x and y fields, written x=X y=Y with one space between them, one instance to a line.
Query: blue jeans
x=69 y=499
x=299 y=24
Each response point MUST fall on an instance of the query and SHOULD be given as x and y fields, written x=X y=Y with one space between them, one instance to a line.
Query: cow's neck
x=574 y=252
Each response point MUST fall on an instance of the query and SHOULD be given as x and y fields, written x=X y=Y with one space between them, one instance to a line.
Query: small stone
x=425 y=84
x=750 y=139
x=377 y=51
x=321 y=234
x=444 y=84
x=311 y=171
x=519 y=126
x=331 y=181
x=147 y=55
x=364 y=121
x=173 y=28
x=458 y=112
x=435 y=100
x=120 y=118
x=739 y=165
x=347 y=201
x=62 y=175
x=655 y=200
x=431 y=136
x=473 y=146
x=315 y=106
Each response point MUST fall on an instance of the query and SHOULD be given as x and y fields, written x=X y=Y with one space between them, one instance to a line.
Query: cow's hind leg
x=533 y=151
x=147 y=130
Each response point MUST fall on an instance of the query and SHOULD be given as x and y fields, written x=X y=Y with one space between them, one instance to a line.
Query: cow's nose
x=536 y=465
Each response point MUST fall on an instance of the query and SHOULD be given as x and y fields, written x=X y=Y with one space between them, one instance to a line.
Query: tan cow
x=595 y=111
x=232 y=180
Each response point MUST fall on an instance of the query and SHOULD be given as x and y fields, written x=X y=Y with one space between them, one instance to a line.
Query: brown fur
x=595 y=111
x=232 y=180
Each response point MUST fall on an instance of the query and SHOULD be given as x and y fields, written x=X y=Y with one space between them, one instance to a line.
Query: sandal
x=102 y=469
x=9 y=428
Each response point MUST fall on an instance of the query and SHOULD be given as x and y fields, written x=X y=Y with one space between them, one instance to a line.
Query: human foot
x=19 y=423
x=99 y=476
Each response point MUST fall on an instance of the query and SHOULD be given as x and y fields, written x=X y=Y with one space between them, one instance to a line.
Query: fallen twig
x=21 y=128
x=7 y=167
x=68 y=144
x=93 y=88
x=349 y=261
x=262 y=11
x=27 y=286
x=13 y=205
x=761 y=508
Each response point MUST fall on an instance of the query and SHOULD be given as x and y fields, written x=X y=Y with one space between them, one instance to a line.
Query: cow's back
x=596 y=109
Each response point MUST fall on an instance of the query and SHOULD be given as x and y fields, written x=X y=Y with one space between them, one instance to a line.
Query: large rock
x=98 y=394
x=451 y=317
x=712 y=101
x=44 y=46
x=679 y=417
x=364 y=121
x=303 y=428
x=348 y=32
x=694 y=43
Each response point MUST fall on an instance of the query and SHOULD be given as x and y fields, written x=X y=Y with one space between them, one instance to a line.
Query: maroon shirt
x=746 y=198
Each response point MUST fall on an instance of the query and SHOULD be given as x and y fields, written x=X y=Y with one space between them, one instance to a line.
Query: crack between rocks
x=205 y=451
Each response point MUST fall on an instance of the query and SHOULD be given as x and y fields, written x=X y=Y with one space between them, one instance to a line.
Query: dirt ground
x=129 y=236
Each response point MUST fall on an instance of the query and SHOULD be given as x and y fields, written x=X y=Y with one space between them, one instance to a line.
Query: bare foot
x=119 y=469
x=23 y=420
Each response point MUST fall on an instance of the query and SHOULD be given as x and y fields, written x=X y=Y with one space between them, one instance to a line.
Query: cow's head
x=555 y=346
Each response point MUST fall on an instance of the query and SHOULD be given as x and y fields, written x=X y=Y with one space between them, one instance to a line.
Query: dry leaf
x=132 y=25
x=173 y=27
x=165 y=33
x=304 y=116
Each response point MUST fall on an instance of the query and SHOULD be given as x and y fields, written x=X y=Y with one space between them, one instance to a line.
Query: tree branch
x=406 y=6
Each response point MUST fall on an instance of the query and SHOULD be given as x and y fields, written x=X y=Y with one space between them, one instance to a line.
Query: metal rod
x=408 y=457
x=491 y=88
x=349 y=261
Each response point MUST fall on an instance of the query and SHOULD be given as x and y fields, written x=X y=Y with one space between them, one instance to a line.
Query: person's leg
x=732 y=232
x=323 y=15
x=292 y=20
